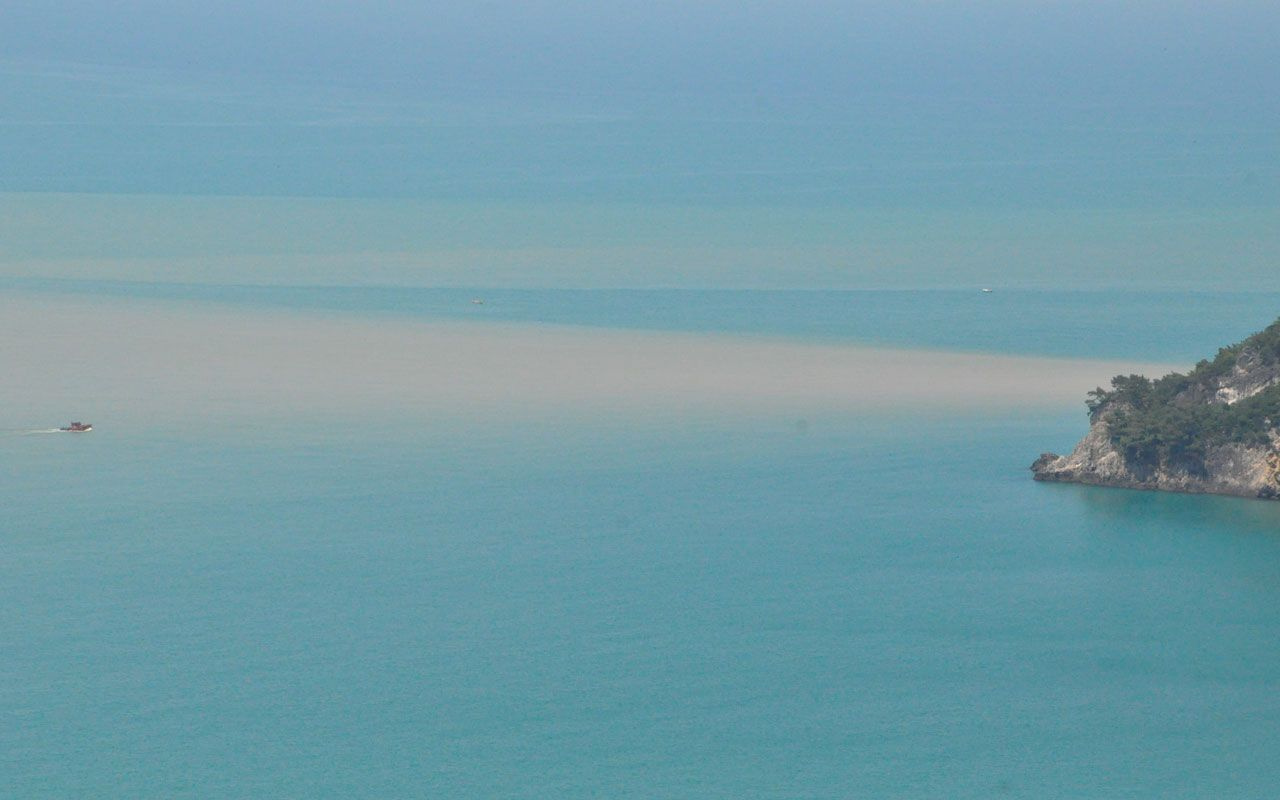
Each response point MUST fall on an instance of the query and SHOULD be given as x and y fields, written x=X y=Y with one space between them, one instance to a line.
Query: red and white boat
x=77 y=427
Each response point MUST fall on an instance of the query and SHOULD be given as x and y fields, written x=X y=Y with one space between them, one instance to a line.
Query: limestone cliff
x=1213 y=430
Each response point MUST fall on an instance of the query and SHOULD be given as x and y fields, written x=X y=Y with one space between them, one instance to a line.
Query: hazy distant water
x=156 y=175
x=865 y=607
x=1164 y=326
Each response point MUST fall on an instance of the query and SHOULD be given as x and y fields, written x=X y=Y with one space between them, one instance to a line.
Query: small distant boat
x=476 y=301
x=987 y=291
x=77 y=427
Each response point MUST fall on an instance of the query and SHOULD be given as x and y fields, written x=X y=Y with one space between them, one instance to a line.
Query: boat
x=986 y=291
x=77 y=427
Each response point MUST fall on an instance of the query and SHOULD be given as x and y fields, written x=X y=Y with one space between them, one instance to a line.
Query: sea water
x=850 y=605
x=1166 y=326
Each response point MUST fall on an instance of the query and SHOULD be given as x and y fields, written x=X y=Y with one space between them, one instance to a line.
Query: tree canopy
x=1172 y=421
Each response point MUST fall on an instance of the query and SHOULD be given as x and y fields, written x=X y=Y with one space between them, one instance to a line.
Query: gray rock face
x=1094 y=460
x=1232 y=469
x=1248 y=377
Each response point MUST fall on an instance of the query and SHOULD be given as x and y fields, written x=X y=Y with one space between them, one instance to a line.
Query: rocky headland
x=1214 y=430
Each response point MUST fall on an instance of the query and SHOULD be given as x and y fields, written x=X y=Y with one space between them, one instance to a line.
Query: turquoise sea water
x=847 y=606
x=864 y=607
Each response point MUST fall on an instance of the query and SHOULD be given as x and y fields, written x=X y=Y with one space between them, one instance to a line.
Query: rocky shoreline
x=1212 y=431
x=1231 y=469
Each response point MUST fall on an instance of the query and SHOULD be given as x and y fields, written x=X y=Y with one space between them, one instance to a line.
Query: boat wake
x=75 y=427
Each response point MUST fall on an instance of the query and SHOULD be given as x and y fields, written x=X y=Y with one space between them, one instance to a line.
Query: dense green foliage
x=1171 y=422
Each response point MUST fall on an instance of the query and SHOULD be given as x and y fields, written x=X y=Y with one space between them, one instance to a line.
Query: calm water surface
x=850 y=607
